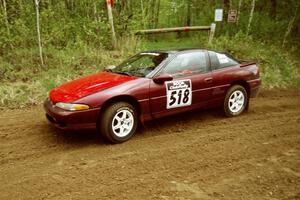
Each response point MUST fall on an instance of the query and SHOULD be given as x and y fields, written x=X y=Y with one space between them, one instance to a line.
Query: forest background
x=75 y=39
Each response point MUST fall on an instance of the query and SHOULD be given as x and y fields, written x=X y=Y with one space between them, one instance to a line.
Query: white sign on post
x=218 y=15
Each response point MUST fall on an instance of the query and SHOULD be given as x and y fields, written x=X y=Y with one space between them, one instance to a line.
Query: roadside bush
x=278 y=67
x=24 y=82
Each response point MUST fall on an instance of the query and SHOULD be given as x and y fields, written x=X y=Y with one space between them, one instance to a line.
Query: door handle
x=208 y=80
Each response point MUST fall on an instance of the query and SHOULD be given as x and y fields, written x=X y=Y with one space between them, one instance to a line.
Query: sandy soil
x=196 y=155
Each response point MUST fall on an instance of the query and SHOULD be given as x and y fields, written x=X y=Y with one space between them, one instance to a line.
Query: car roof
x=172 y=51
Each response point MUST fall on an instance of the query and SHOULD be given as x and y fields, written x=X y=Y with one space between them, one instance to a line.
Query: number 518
x=179 y=96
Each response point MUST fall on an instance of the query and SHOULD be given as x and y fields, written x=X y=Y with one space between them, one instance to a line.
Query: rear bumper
x=73 y=120
x=254 y=87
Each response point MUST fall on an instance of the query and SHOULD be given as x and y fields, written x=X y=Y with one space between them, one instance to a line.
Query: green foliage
x=64 y=23
x=278 y=68
x=28 y=86
x=24 y=83
x=76 y=38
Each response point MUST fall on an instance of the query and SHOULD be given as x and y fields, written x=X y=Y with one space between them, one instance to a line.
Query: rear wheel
x=236 y=101
x=118 y=122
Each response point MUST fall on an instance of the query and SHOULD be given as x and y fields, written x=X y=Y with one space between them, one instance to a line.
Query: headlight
x=72 y=106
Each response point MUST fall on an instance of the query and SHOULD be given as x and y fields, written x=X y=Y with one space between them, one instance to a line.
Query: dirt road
x=197 y=155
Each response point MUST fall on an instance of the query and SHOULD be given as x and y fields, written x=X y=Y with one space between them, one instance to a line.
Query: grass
x=279 y=68
x=23 y=82
x=27 y=83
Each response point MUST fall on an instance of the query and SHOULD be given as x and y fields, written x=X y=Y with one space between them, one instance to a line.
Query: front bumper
x=63 y=119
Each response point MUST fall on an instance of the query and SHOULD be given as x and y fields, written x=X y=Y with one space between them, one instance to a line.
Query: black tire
x=107 y=119
x=228 y=107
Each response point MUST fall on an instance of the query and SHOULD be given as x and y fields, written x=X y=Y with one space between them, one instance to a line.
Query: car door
x=224 y=73
x=190 y=88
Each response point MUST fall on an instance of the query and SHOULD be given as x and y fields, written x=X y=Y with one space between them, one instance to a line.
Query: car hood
x=78 y=88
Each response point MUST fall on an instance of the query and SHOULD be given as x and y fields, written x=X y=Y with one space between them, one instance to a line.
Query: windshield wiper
x=108 y=70
x=139 y=74
x=123 y=73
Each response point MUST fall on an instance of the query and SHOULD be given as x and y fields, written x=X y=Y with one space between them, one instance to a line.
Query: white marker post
x=212 y=32
x=111 y=22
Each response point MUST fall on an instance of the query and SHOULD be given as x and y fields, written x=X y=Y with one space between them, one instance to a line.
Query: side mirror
x=160 y=79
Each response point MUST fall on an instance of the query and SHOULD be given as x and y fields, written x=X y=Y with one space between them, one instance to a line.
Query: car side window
x=221 y=60
x=187 y=63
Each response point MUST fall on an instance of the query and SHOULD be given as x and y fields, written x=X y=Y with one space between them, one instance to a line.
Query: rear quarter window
x=221 y=60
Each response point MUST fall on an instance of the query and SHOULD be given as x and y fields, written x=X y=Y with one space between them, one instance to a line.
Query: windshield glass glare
x=141 y=64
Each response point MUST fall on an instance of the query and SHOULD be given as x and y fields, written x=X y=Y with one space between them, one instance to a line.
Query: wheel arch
x=122 y=98
x=244 y=84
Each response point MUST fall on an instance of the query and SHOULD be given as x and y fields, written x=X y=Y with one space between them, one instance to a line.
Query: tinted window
x=187 y=63
x=221 y=60
x=141 y=64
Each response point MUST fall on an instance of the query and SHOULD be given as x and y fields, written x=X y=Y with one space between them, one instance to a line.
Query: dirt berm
x=196 y=155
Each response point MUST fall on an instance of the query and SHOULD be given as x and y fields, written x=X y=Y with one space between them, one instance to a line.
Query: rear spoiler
x=244 y=63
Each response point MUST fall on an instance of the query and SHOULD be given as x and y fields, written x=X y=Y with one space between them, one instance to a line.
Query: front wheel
x=118 y=122
x=236 y=101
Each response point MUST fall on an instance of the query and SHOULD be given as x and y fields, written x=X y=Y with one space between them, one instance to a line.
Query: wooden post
x=111 y=22
x=212 y=32
x=38 y=30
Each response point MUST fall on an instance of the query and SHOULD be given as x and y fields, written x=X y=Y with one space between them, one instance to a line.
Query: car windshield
x=141 y=64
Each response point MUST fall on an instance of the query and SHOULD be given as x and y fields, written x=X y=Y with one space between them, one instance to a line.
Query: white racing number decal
x=179 y=93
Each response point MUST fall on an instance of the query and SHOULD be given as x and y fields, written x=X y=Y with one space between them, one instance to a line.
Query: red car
x=150 y=85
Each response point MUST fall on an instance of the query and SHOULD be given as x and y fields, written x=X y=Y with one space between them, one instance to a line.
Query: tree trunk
x=97 y=17
x=6 y=20
x=152 y=13
x=189 y=13
x=143 y=15
x=38 y=30
x=290 y=26
x=128 y=7
x=226 y=6
x=69 y=4
x=239 y=11
x=273 y=8
x=111 y=22
x=251 y=16
x=156 y=17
